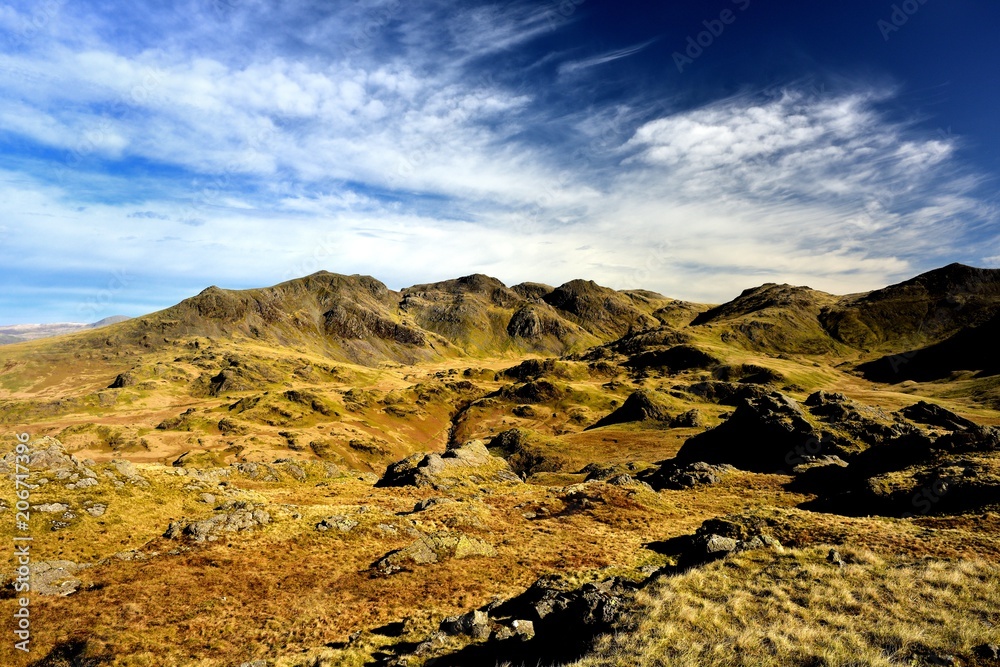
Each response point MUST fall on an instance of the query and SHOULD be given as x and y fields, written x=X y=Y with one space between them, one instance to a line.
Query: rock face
x=676 y=476
x=762 y=435
x=469 y=463
x=934 y=415
x=431 y=549
x=674 y=360
x=535 y=321
x=337 y=522
x=235 y=516
x=53 y=577
x=641 y=405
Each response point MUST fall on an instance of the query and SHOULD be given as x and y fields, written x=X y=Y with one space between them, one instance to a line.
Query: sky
x=151 y=149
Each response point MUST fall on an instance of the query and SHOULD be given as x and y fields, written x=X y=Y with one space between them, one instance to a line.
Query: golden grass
x=795 y=608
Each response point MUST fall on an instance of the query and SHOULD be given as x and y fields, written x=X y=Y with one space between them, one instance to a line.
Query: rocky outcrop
x=122 y=380
x=434 y=548
x=234 y=516
x=724 y=393
x=677 y=476
x=470 y=463
x=641 y=405
x=764 y=434
x=934 y=415
x=674 y=360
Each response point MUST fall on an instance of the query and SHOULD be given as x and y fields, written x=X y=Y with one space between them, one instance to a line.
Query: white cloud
x=593 y=61
x=407 y=167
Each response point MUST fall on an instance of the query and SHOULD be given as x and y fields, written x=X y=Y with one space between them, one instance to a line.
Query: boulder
x=675 y=475
x=470 y=463
x=338 y=522
x=765 y=434
x=690 y=419
x=475 y=623
x=428 y=503
x=433 y=548
x=641 y=405
x=236 y=516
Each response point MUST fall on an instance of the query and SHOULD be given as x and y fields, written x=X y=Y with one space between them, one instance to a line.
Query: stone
x=429 y=549
x=337 y=522
x=678 y=476
x=716 y=545
x=51 y=508
x=523 y=629
x=987 y=651
x=456 y=466
x=428 y=503
x=96 y=510
x=236 y=516
x=55 y=577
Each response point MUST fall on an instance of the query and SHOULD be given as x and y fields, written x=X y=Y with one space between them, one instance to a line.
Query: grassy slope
x=289 y=590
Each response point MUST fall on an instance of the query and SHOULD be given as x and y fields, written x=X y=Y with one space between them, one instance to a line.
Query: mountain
x=358 y=319
x=917 y=312
x=16 y=333
x=780 y=318
x=496 y=469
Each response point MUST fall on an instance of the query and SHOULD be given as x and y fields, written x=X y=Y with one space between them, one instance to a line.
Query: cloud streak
x=386 y=141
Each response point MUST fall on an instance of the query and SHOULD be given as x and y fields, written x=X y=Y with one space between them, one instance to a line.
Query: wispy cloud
x=593 y=61
x=379 y=139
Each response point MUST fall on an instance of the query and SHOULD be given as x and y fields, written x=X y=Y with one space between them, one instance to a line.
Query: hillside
x=17 y=333
x=329 y=472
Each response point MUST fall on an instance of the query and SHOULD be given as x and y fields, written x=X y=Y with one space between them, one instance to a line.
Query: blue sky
x=148 y=150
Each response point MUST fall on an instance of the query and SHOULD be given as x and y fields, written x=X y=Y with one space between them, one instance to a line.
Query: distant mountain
x=357 y=318
x=17 y=333
x=945 y=319
x=917 y=312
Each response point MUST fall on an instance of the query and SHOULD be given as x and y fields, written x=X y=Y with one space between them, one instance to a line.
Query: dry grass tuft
x=796 y=608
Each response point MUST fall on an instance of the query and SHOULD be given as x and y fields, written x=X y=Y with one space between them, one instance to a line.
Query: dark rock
x=987 y=651
x=641 y=405
x=126 y=379
x=689 y=419
x=456 y=466
x=475 y=623
x=765 y=434
x=674 y=360
x=725 y=393
x=676 y=476
x=531 y=369
x=536 y=391
x=428 y=503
